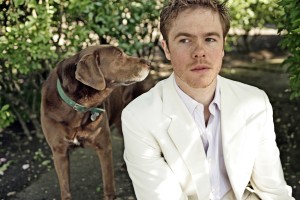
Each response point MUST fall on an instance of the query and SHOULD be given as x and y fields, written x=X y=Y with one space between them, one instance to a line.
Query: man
x=197 y=135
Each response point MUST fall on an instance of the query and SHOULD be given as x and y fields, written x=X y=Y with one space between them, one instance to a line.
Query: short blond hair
x=170 y=12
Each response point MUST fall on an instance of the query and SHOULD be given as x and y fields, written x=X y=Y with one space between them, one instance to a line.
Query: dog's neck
x=95 y=98
x=85 y=95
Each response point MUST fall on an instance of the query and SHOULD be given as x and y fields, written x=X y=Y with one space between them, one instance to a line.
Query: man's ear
x=89 y=73
x=165 y=47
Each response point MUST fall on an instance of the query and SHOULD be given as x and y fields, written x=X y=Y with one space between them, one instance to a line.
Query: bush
x=247 y=15
x=289 y=26
x=35 y=35
x=25 y=53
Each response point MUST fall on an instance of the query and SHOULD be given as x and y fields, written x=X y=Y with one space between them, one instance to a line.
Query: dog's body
x=88 y=78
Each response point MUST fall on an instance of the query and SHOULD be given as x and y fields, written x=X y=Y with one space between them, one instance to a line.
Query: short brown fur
x=88 y=78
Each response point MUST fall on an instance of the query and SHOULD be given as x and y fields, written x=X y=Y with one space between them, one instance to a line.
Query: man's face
x=195 y=47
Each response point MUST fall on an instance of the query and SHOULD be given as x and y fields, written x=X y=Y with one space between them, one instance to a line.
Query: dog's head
x=106 y=66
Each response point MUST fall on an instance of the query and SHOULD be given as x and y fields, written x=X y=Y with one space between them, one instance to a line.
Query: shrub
x=34 y=35
x=289 y=25
x=249 y=14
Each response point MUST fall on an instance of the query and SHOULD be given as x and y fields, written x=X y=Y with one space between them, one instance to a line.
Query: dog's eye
x=120 y=53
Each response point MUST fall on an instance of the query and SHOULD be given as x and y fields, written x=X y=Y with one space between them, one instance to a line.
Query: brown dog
x=70 y=113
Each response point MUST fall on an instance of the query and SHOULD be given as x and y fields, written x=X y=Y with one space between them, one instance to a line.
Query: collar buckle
x=77 y=107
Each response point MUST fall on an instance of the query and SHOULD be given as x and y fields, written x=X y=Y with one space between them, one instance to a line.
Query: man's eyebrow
x=185 y=34
x=213 y=34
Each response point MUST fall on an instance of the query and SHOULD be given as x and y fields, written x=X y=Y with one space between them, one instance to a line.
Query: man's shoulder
x=148 y=100
x=243 y=96
x=239 y=87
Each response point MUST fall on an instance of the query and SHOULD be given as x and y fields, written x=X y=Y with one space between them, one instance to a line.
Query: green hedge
x=35 y=35
x=289 y=26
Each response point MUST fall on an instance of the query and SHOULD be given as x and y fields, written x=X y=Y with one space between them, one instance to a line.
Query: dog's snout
x=143 y=61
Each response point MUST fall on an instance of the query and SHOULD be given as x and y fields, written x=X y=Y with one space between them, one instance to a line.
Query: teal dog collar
x=95 y=112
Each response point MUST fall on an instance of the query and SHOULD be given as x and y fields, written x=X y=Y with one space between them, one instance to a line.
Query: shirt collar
x=191 y=104
x=217 y=98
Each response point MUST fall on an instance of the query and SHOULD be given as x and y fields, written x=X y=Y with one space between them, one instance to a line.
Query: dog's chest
x=86 y=132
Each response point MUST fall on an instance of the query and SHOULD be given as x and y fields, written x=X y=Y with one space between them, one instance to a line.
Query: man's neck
x=201 y=95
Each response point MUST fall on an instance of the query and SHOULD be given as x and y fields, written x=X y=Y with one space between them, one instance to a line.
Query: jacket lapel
x=186 y=137
x=184 y=133
x=233 y=127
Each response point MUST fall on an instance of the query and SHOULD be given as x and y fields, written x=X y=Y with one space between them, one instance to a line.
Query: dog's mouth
x=128 y=83
x=113 y=83
x=141 y=76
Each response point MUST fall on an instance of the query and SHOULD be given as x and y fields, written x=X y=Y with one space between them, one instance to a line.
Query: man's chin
x=200 y=84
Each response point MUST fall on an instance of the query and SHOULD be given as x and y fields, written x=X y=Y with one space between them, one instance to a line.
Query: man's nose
x=198 y=50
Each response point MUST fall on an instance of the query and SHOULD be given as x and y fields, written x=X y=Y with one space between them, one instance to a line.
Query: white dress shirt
x=212 y=140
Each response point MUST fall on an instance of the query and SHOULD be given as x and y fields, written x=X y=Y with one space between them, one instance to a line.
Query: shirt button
x=213 y=192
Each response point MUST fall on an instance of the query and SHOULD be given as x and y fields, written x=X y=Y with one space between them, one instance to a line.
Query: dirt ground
x=27 y=170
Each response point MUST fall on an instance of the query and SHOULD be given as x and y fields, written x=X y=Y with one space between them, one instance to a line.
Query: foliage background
x=35 y=35
x=289 y=24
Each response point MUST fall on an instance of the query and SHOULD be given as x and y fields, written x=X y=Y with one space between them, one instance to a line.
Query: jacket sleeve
x=152 y=178
x=267 y=177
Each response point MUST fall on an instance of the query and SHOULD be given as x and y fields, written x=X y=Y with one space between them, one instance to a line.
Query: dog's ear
x=88 y=72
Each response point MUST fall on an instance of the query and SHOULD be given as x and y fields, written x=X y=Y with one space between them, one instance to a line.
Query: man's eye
x=210 y=40
x=184 y=41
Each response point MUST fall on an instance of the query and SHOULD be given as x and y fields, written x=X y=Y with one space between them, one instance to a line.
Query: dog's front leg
x=104 y=152
x=62 y=167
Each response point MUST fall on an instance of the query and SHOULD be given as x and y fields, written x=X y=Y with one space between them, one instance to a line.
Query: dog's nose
x=146 y=62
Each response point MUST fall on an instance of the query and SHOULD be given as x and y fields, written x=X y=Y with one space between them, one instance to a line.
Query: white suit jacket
x=164 y=153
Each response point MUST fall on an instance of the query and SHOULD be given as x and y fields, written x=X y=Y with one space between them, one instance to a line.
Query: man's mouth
x=199 y=69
